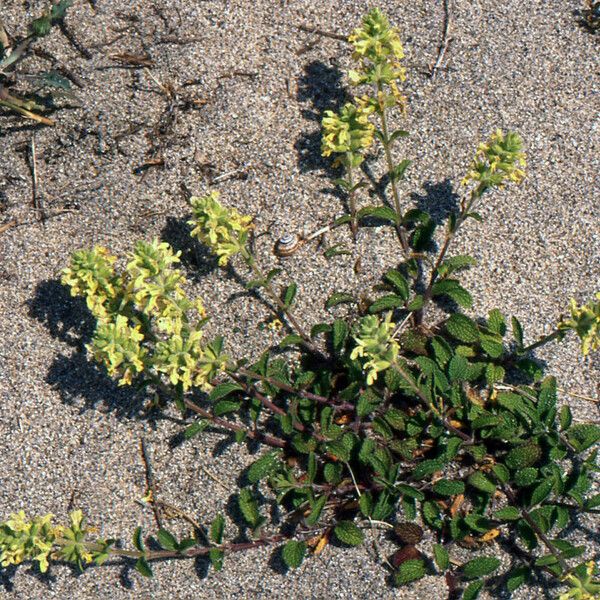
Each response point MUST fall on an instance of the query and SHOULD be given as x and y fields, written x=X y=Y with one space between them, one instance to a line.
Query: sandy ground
x=250 y=89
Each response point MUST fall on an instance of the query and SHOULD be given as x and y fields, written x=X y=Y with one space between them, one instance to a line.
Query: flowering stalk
x=348 y=134
x=496 y=163
x=226 y=233
x=378 y=51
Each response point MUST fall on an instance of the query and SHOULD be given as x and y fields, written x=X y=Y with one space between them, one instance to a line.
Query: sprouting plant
x=31 y=104
x=382 y=418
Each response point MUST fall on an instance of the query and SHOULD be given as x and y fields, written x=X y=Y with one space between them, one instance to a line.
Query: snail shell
x=288 y=244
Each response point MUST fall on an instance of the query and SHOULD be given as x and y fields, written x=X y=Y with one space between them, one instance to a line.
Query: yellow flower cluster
x=374 y=341
x=585 y=322
x=142 y=315
x=223 y=230
x=347 y=132
x=118 y=345
x=498 y=161
x=378 y=50
x=22 y=539
x=92 y=276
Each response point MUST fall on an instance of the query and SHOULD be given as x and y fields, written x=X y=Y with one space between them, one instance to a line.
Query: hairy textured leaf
x=480 y=567
x=166 y=539
x=338 y=298
x=399 y=282
x=462 y=328
x=143 y=567
x=448 y=487
x=293 y=553
x=348 y=533
x=386 y=303
x=264 y=466
x=409 y=571
x=216 y=529
x=441 y=557
x=248 y=507
x=339 y=335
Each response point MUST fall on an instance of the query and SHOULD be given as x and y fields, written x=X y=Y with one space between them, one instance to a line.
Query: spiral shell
x=288 y=244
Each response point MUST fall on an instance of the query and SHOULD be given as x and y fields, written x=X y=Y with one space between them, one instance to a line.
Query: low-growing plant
x=386 y=416
x=30 y=104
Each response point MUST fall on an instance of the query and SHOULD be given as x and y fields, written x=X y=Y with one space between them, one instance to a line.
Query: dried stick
x=444 y=44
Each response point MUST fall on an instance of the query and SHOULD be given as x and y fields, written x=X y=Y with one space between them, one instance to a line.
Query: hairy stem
x=306 y=341
x=401 y=231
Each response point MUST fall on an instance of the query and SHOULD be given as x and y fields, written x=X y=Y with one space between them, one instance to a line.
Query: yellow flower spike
x=224 y=230
x=585 y=322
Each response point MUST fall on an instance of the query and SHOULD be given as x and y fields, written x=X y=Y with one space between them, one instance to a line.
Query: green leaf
x=516 y=577
x=409 y=570
x=166 y=539
x=216 y=556
x=458 y=369
x=523 y=456
x=338 y=298
x=290 y=294
x=448 y=487
x=472 y=590
x=332 y=473
x=399 y=133
x=59 y=10
x=583 y=435
x=399 y=282
x=293 y=553
x=319 y=328
x=530 y=367
x=143 y=567
x=427 y=467
x=423 y=235
x=336 y=250
x=494 y=373
x=480 y=567
x=346 y=185
x=316 y=510
x=399 y=170
x=517 y=331
x=565 y=418
x=593 y=502
x=386 y=303
x=264 y=466
x=479 y=481
x=455 y=263
x=462 y=328
x=195 y=428
x=222 y=390
x=416 y=303
x=379 y=212
x=441 y=557
x=541 y=492
x=138 y=541
x=365 y=503
x=348 y=533
x=453 y=289
x=496 y=322
x=501 y=472
x=248 y=507
x=225 y=406
x=526 y=477
x=492 y=345
x=292 y=339
x=339 y=335
x=311 y=469
x=508 y=513
x=216 y=529
x=441 y=350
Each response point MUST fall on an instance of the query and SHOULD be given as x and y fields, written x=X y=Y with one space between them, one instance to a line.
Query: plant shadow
x=321 y=85
x=74 y=376
x=196 y=258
